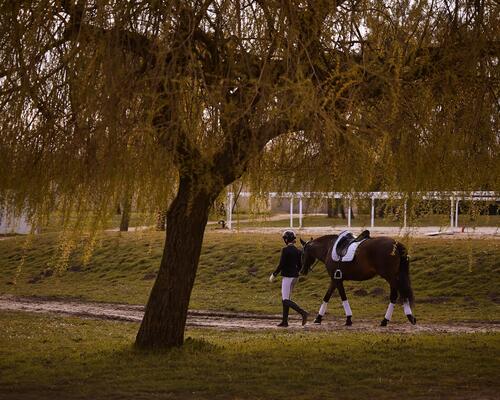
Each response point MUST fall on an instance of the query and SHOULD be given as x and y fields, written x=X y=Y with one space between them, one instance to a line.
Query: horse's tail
x=404 y=288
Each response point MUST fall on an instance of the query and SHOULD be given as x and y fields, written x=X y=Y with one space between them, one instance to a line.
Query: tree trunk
x=330 y=208
x=342 y=210
x=166 y=312
x=379 y=208
x=125 y=206
x=336 y=205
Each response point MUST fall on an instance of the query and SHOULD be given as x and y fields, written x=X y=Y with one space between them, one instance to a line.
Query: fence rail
x=454 y=196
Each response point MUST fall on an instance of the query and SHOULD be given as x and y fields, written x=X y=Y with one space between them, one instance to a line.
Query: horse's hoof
x=412 y=319
x=348 y=321
x=384 y=322
x=318 y=319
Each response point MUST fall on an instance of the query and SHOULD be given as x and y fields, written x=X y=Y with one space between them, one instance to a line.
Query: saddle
x=346 y=239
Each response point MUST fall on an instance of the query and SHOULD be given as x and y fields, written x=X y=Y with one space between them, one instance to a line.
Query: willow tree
x=174 y=100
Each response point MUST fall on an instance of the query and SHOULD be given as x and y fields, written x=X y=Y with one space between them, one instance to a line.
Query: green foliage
x=102 y=100
x=43 y=357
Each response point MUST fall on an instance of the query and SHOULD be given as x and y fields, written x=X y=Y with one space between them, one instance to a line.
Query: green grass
x=56 y=223
x=46 y=357
x=453 y=280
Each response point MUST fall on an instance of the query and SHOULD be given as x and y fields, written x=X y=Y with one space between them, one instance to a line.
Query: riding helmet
x=289 y=236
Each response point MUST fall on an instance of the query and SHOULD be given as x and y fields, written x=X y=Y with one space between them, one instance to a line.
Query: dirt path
x=225 y=320
x=436 y=232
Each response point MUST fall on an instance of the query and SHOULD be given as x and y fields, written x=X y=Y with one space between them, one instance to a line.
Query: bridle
x=316 y=260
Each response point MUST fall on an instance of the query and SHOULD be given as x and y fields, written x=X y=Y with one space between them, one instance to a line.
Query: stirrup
x=337 y=274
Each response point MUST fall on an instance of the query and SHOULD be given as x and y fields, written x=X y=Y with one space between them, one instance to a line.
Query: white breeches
x=287 y=285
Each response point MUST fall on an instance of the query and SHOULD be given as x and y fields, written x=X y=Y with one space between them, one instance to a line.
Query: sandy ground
x=228 y=320
x=490 y=232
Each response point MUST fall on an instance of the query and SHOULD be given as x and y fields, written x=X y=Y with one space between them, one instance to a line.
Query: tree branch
x=76 y=29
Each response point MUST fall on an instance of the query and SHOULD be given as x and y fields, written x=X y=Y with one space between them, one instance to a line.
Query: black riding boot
x=286 y=308
x=295 y=306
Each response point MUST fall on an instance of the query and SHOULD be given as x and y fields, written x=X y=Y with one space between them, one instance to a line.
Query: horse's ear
x=311 y=239
x=302 y=242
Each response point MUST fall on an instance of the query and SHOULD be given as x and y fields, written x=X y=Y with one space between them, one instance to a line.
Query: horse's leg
x=345 y=302
x=404 y=287
x=324 y=305
x=390 y=307
x=409 y=314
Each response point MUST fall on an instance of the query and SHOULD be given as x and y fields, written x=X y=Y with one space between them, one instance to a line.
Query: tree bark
x=166 y=311
x=333 y=208
x=342 y=210
x=330 y=208
x=125 y=206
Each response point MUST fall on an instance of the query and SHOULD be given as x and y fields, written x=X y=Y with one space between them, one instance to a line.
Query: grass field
x=56 y=222
x=453 y=280
x=47 y=357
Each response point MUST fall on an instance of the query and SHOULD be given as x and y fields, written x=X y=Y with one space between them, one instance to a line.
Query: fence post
x=291 y=211
x=349 y=212
x=451 y=212
x=372 y=221
x=300 y=212
x=230 y=210
x=404 y=213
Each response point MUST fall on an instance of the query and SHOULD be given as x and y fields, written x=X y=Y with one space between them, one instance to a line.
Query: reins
x=311 y=268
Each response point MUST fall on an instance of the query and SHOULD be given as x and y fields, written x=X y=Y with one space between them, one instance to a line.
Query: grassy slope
x=46 y=357
x=452 y=279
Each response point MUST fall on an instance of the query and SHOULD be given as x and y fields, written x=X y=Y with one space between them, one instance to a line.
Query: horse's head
x=308 y=259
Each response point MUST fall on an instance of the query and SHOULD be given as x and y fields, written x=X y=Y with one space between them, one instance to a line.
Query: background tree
x=178 y=99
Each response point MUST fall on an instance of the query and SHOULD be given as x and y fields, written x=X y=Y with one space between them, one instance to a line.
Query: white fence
x=454 y=198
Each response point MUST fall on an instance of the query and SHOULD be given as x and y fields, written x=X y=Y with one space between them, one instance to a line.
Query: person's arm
x=278 y=268
x=299 y=262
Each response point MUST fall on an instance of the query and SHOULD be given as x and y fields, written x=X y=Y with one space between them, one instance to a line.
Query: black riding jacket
x=290 y=262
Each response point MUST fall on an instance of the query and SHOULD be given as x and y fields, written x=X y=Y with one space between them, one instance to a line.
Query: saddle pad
x=351 y=250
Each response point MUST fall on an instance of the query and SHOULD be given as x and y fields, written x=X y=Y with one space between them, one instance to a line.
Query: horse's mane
x=325 y=238
x=325 y=242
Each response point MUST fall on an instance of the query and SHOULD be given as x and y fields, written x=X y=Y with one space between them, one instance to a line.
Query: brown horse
x=382 y=256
